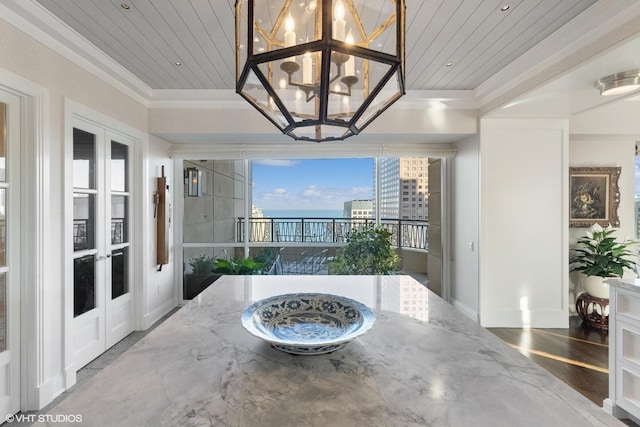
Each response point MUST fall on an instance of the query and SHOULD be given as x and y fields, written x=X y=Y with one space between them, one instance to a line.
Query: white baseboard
x=156 y=314
x=465 y=309
x=48 y=391
x=525 y=319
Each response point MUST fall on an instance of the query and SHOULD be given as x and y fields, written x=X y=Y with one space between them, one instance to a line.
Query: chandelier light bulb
x=349 y=66
x=289 y=33
x=339 y=23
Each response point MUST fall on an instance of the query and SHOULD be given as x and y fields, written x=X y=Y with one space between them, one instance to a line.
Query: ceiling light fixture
x=319 y=79
x=125 y=6
x=505 y=7
x=619 y=83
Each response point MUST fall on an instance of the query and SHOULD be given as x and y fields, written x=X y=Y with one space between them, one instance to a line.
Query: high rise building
x=358 y=209
x=403 y=188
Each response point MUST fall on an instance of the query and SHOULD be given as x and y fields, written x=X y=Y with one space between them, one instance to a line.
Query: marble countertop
x=422 y=364
x=630 y=284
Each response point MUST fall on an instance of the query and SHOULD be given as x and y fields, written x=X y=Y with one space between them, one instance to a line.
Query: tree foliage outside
x=267 y=257
x=368 y=251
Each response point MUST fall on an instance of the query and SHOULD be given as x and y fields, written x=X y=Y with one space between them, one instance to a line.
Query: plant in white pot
x=599 y=255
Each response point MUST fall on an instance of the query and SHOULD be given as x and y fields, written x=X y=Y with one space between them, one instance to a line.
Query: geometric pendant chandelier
x=320 y=70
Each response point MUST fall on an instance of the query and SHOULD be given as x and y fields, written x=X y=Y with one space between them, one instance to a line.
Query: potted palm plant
x=599 y=255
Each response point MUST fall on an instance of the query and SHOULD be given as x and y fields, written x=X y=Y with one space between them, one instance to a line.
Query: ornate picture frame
x=594 y=196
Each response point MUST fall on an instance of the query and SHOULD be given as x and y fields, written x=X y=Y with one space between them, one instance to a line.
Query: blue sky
x=311 y=184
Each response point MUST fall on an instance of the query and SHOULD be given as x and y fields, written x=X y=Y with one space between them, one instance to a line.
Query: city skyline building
x=358 y=209
x=403 y=188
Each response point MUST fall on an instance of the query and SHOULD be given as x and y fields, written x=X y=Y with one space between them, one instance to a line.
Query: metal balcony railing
x=405 y=233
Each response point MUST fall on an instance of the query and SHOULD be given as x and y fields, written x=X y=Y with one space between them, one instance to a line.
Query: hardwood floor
x=577 y=355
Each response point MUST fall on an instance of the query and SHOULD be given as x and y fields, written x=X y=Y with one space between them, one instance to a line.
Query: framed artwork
x=594 y=196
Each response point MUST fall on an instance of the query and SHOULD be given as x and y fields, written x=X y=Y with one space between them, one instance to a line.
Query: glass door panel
x=119 y=167
x=119 y=222
x=84 y=289
x=3 y=227
x=84 y=221
x=84 y=159
x=119 y=273
x=3 y=143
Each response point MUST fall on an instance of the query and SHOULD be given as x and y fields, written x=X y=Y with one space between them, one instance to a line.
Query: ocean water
x=302 y=213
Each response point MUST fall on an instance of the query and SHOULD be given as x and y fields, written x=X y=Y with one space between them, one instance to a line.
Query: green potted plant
x=267 y=257
x=599 y=255
x=238 y=266
x=368 y=251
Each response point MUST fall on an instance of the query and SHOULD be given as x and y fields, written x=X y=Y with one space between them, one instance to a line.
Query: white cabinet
x=624 y=350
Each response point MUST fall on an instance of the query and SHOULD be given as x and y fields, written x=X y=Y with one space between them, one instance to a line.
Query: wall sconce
x=619 y=83
x=193 y=179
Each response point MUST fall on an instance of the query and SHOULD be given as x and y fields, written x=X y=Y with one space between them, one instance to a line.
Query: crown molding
x=300 y=150
x=37 y=22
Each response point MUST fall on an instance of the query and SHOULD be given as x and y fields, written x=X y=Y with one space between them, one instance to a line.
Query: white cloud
x=310 y=197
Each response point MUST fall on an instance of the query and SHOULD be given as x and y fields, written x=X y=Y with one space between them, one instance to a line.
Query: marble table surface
x=629 y=284
x=422 y=364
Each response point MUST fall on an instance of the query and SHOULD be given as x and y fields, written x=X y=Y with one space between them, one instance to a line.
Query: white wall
x=465 y=187
x=160 y=293
x=523 y=227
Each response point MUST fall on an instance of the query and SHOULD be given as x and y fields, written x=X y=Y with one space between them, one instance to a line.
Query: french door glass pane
x=84 y=159
x=84 y=285
x=119 y=222
x=119 y=162
x=84 y=221
x=3 y=312
x=3 y=228
x=119 y=273
x=3 y=142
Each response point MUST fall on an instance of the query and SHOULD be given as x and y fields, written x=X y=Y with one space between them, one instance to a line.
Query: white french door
x=9 y=254
x=102 y=297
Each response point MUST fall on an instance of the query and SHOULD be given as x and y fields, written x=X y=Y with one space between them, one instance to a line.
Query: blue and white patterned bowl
x=307 y=323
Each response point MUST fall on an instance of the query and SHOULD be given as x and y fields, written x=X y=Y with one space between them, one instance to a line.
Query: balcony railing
x=405 y=233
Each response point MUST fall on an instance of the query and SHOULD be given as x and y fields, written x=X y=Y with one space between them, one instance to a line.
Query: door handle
x=100 y=258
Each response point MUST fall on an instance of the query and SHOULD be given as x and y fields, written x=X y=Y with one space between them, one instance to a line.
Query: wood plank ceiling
x=475 y=36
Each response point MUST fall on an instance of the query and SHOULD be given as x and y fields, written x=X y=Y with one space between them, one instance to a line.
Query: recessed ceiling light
x=178 y=64
x=449 y=64
x=125 y=6
x=505 y=7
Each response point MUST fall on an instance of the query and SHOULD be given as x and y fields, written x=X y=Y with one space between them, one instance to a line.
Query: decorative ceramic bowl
x=307 y=323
